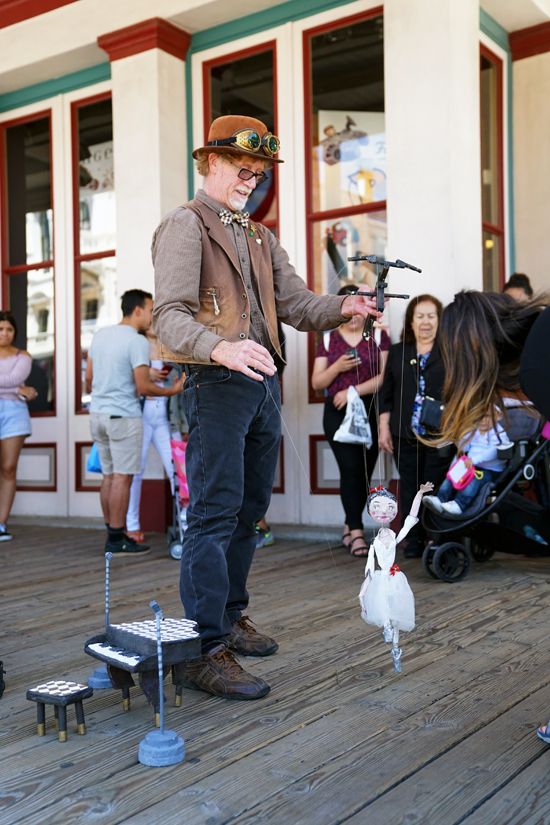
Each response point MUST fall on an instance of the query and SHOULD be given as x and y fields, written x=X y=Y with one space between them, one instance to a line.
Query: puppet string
x=374 y=397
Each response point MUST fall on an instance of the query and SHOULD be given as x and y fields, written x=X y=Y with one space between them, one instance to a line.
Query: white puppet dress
x=386 y=597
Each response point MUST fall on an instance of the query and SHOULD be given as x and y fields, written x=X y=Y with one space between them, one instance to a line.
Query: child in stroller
x=481 y=451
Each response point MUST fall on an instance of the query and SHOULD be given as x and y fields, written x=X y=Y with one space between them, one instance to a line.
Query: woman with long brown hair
x=414 y=372
x=484 y=337
x=494 y=347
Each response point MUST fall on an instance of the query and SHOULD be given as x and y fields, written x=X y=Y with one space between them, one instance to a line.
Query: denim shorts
x=14 y=418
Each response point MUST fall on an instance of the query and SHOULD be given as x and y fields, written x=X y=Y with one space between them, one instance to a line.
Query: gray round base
x=160 y=749
x=99 y=679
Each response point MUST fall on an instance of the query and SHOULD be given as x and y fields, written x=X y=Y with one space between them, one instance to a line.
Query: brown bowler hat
x=240 y=135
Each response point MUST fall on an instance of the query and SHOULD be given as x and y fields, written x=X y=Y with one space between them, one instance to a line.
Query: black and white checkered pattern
x=227 y=217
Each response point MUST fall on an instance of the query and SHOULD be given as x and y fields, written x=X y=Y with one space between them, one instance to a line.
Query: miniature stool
x=59 y=694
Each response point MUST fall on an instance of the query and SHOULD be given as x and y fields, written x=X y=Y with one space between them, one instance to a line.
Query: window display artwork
x=336 y=240
x=97 y=199
x=345 y=138
x=351 y=158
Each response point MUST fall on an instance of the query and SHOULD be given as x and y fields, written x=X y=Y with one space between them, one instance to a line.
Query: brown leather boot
x=245 y=639
x=218 y=672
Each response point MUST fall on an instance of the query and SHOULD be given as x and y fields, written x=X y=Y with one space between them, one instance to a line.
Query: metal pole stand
x=100 y=678
x=161 y=747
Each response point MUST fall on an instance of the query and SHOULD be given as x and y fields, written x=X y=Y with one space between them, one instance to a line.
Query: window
x=345 y=153
x=492 y=194
x=27 y=247
x=94 y=229
x=244 y=84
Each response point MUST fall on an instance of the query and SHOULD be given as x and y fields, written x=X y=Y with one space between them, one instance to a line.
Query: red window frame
x=499 y=230
x=15 y=270
x=78 y=258
x=270 y=45
x=316 y=217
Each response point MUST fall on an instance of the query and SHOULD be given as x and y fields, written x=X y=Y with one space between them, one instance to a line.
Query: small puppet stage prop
x=131 y=648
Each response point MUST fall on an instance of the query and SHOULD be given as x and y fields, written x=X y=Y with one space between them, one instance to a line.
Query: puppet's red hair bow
x=375 y=489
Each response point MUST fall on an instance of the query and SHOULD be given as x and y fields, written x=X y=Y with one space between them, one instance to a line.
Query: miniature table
x=59 y=694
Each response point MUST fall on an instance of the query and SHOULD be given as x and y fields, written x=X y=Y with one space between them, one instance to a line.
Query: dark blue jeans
x=465 y=497
x=231 y=458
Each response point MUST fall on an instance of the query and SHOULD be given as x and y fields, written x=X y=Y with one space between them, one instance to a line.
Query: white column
x=433 y=146
x=150 y=150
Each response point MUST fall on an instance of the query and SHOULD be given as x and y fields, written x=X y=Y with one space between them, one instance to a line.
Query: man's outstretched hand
x=242 y=355
x=360 y=305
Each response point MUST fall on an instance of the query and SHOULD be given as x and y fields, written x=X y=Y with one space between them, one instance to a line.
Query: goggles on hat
x=250 y=141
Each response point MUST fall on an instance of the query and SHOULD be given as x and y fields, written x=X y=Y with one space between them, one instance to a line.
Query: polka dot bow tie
x=227 y=217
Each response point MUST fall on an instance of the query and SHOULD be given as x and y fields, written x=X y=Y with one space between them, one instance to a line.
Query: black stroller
x=511 y=514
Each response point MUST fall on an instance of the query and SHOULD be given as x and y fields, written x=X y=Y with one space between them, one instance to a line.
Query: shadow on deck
x=340 y=738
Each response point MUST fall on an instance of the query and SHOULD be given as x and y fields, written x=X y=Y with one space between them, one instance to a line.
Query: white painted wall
x=517 y=14
x=433 y=151
x=65 y=40
x=149 y=135
x=532 y=167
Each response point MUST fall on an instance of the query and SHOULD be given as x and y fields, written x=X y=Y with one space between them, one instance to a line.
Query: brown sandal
x=345 y=535
x=360 y=551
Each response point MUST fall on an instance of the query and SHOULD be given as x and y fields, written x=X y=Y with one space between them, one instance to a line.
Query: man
x=117 y=373
x=222 y=282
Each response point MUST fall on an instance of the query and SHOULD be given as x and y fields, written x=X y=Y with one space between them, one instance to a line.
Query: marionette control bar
x=382 y=268
x=372 y=259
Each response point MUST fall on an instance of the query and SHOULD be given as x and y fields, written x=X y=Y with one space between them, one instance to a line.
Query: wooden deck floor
x=340 y=738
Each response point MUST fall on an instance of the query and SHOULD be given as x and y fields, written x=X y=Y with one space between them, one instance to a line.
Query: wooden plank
x=329 y=697
x=343 y=786
x=477 y=768
x=525 y=800
x=363 y=721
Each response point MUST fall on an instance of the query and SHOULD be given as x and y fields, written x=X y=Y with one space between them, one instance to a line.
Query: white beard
x=237 y=201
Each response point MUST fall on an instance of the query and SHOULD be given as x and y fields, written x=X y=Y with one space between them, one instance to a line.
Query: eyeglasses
x=251 y=141
x=248 y=174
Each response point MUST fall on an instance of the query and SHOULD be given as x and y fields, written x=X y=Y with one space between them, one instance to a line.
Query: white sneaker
x=433 y=503
x=5 y=534
x=452 y=507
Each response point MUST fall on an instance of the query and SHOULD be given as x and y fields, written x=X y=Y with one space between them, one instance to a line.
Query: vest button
x=244 y=315
x=242 y=335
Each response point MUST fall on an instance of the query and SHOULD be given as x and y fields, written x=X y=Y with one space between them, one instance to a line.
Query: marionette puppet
x=386 y=598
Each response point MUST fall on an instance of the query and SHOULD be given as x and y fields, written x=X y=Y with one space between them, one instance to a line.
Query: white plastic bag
x=355 y=428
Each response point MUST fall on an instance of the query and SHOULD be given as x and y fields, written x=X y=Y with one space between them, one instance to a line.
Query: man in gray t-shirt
x=117 y=373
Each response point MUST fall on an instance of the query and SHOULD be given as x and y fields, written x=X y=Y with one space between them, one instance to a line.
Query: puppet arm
x=424 y=488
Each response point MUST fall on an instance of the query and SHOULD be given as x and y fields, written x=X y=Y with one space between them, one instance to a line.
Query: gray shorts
x=119 y=443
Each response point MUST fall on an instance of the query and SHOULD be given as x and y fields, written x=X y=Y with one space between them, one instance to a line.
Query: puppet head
x=382 y=506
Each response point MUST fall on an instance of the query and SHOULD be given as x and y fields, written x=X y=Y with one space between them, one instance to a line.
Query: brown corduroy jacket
x=201 y=296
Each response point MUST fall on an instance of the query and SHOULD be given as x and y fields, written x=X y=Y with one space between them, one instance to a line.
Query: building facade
x=416 y=129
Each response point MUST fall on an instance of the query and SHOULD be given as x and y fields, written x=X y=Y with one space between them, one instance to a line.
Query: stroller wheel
x=428 y=559
x=451 y=561
x=176 y=549
x=481 y=553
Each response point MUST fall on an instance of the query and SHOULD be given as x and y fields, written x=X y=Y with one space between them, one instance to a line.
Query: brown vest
x=222 y=292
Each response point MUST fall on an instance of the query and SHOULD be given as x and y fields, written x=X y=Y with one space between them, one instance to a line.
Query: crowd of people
x=410 y=379
x=222 y=284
